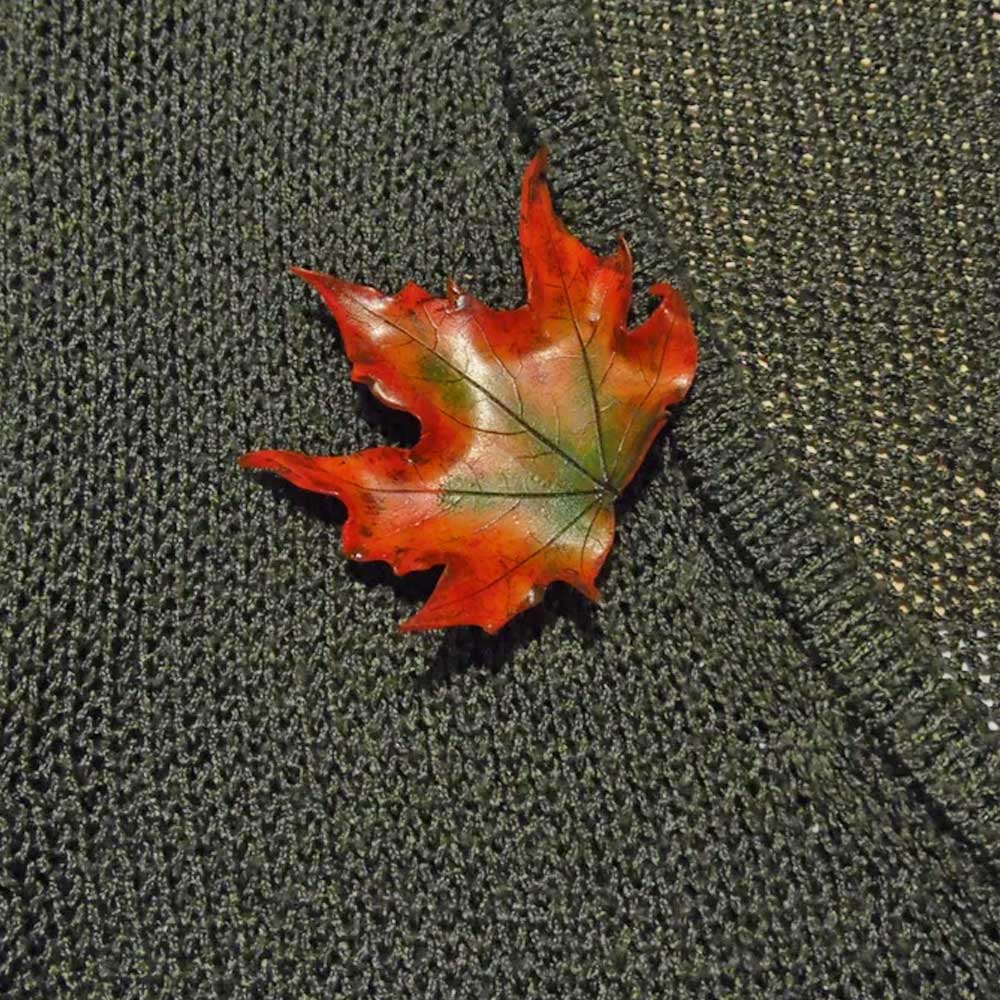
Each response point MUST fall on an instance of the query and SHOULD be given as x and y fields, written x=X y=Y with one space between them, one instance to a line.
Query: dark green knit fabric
x=224 y=773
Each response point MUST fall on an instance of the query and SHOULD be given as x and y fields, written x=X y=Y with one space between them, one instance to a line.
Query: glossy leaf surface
x=533 y=420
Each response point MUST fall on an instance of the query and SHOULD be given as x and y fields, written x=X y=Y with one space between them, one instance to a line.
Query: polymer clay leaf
x=533 y=420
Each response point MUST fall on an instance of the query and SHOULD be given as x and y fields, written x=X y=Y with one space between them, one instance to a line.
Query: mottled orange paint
x=532 y=422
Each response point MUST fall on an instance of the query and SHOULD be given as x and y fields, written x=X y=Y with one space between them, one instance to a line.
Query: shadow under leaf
x=321 y=506
x=469 y=649
x=413 y=588
x=396 y=426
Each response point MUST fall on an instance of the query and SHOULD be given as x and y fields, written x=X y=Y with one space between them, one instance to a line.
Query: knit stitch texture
x=758 y=769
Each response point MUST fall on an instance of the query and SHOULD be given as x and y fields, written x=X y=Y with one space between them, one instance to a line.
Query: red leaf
x=533 y=421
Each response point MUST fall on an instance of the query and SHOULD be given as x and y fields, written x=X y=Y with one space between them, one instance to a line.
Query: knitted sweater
x=764 y=766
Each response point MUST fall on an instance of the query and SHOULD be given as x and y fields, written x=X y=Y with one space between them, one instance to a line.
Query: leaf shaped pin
x=533 y=421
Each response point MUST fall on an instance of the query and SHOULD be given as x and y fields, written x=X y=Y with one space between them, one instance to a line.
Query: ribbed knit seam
x=923 y=725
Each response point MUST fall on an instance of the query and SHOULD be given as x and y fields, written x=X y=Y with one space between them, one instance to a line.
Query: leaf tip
x=251 y=460
x=419 y=622
x=538 y=165
x=414 y=624
x=672 y=299
x=321 y=282
x=623 y=258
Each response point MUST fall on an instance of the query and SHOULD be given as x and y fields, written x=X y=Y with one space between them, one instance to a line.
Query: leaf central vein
x=604 y=484
x=585 y=356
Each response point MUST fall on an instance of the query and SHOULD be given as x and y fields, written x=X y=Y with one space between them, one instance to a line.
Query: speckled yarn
x=766 y=766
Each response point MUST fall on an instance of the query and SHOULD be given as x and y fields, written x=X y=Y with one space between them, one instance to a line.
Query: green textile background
x=749 y=772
